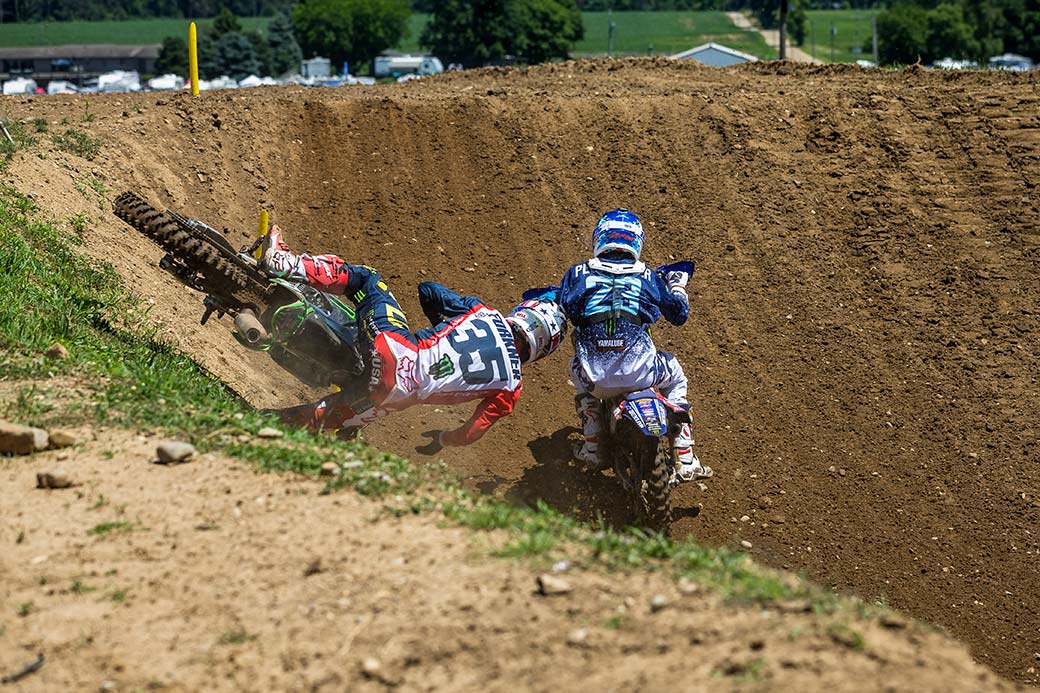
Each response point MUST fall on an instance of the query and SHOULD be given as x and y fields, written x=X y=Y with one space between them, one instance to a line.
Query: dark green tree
x=470 y=32
x=209 y=66
x=947 y=35
x=479 y=32
x=173 y=57
x=798 y=22
x=225 y=23
x=544 y=29
x=351 y=30
x=236 y=56
x=285 y=51
x=262 y=49
x=901 y=34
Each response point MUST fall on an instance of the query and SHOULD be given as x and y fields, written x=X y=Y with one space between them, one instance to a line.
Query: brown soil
x=863 y=352
x=213 y=577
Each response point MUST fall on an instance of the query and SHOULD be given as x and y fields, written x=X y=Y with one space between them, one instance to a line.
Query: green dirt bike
x=310 y=333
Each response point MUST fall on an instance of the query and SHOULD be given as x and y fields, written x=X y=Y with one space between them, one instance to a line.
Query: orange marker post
x=193 y=59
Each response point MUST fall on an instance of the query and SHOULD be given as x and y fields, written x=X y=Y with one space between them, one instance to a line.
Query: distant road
x=772 y=37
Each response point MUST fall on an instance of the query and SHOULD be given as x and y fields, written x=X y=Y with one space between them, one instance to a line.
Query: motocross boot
x=588 y=409
x=689 y=468
x=276 y=260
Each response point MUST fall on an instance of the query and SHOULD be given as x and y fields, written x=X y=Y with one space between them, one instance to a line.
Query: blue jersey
x=611 y=304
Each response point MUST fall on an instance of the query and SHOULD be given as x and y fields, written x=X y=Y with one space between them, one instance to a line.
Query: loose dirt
x=863 y=351
x=212 y=577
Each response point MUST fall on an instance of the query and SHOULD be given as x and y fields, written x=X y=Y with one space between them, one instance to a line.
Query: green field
x=851 y=29
x=665 y=33
x=645 y=33
x=637 y=33
x=131 y=31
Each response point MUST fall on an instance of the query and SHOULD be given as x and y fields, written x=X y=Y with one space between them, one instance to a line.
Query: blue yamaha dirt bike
x=638 y=437
x=638 y=443
x=310 y=333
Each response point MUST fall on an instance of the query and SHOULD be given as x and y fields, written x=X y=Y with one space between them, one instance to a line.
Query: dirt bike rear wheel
x=657 y=493
x=222 y=273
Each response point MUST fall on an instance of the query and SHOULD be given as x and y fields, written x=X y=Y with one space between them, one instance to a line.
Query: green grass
x=20 y=138
x=845 y=23
x=236 y=637
x=105 y=528
x=132 y=31
x=644 y=33
x=665 y=33
x=638 y=33
x=78 y=143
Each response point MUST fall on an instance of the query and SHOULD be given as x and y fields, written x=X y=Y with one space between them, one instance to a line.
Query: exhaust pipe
x=249 y=331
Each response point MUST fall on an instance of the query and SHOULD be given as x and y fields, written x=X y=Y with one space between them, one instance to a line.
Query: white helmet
x=542 y=325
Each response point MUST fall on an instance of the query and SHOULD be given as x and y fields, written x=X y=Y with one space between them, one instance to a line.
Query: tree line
x=929 y=30
x=98 y=10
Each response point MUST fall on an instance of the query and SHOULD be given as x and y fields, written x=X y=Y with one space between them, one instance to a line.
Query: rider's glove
x=677 y=281
x=677 y=276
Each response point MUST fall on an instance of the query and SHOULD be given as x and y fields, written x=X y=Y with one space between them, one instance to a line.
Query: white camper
x=397 y=65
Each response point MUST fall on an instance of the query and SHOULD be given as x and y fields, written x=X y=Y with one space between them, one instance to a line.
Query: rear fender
x=647 y=410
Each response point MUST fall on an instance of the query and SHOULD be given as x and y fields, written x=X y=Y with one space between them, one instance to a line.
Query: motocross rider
x=470 y=352
x=612 y=300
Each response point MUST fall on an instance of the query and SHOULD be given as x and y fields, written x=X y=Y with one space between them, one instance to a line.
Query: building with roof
x=75 y=63
x=716 y=55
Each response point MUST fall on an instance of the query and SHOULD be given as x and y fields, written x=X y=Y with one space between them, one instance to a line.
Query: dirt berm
x=863 y=346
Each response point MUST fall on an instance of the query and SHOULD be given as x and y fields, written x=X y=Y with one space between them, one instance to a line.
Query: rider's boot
x=689 y=468
x=588 y=409
x=276 y=260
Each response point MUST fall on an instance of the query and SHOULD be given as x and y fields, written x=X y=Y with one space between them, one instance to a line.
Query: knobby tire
x=221 y=275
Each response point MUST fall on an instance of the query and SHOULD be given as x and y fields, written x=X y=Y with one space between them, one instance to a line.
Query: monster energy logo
x=442 y=368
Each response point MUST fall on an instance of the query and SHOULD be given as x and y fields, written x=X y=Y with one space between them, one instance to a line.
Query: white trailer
x=397 y=65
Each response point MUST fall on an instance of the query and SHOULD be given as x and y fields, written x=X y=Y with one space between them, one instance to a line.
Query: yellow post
x=262 y=228
x=193 y=60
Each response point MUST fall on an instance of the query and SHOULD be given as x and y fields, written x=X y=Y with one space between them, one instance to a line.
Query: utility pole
x=611 y=28
x=783 y=29
x=873 y=26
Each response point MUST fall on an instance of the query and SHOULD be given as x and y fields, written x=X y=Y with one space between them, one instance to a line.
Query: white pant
x=666 y=375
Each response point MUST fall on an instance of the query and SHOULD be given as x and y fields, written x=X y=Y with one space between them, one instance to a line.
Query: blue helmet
x=620 y=230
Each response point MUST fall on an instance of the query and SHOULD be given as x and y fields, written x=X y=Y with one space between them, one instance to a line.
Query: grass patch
x=118 y=596
x=80 y=588
x=14 y=136
x=850 y=40
x=133 y=31
x=79 y=143
x=26 y=608
x=537 y=531
x=236 y=637
x=641 y=33
x=844 y=635
x=106 y=528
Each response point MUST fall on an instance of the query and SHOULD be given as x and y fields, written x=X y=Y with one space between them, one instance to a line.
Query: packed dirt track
x=863 y=347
